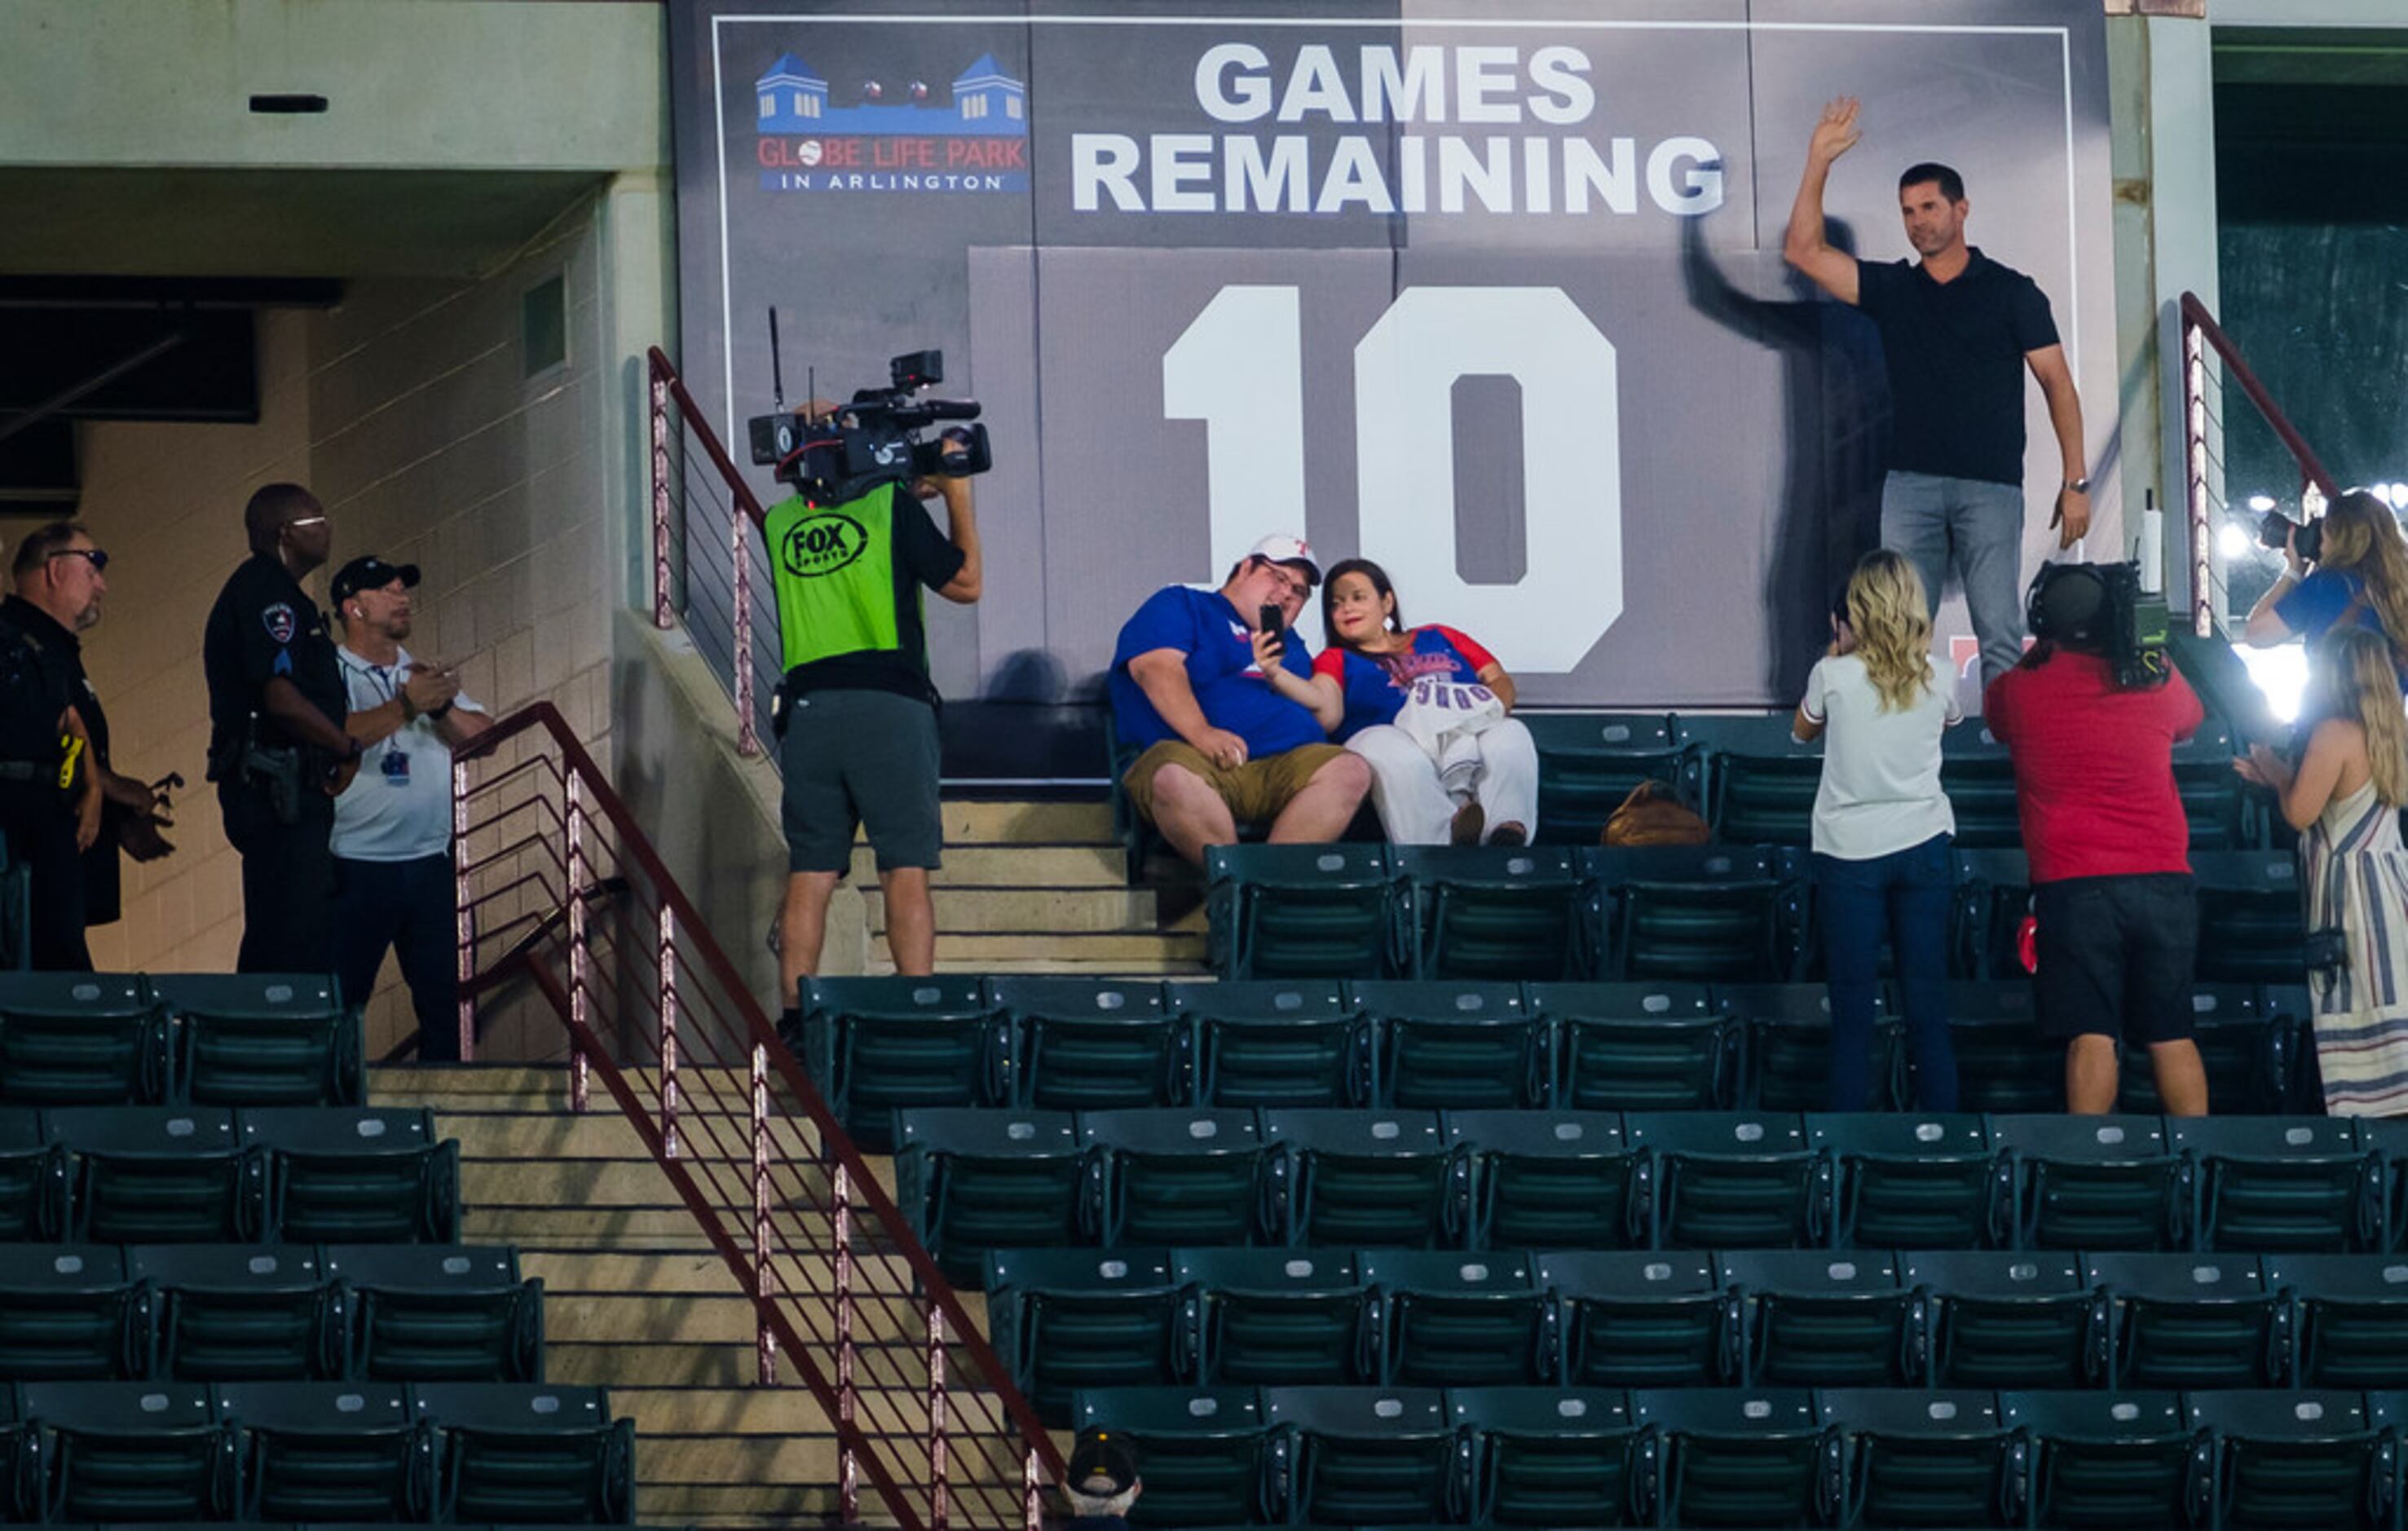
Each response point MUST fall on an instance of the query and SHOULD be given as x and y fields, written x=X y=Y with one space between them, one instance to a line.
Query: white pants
x=1415 y=809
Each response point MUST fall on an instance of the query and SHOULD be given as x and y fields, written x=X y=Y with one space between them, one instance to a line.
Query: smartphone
x=1271 y=619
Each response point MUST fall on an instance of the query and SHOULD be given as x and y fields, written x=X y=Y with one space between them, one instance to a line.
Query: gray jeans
x=1979 y=527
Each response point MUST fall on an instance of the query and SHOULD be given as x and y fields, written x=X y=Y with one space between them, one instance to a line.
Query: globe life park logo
x=806 y=142
x=821 y=544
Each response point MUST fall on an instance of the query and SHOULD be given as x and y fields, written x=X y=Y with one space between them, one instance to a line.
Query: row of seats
x=1064 y=1319
x=973 y=1182
x=179 y=1175
x=248 y=1312
x=879 y=1045
x=1838 y=1457
x=198 y=1038
x=1736 y=913
x=343 y=1452
x=1756 y=784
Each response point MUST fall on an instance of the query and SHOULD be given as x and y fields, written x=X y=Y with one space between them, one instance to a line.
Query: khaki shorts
x=1255 y=792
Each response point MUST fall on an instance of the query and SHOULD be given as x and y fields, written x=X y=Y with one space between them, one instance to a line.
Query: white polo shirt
x=1881 y=770
x=399 y=807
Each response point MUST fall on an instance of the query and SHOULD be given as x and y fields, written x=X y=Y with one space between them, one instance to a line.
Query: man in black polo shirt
x=277 y=750
x=1957 y=329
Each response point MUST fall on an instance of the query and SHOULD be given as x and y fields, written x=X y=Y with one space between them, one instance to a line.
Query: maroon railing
x=704 y=521
x=560 y=892
x=2202 y=434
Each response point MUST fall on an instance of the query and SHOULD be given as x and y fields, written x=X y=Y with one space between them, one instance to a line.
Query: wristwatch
x=2079 y=486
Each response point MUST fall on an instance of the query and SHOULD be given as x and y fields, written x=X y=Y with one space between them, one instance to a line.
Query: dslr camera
x=879 y=438
x=2129 y=626
x=2278 y=527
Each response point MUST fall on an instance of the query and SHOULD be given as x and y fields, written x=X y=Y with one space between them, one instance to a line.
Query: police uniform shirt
x=265 y=626
x=399 y=806
x=62 y=656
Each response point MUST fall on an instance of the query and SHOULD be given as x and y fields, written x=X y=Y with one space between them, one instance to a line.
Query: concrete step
x=687 y=1270
x=975 y=822
x=614 y=1363
x=987 y=865
x=882 y=965
x=1055 y=910
x=986 y=952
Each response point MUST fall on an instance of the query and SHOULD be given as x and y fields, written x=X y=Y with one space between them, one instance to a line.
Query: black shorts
x=2115 y=956
x=861 y=760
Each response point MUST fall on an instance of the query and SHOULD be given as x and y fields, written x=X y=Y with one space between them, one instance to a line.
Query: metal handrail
x=654 y=1007
x=2200 y=335
x=667 y=388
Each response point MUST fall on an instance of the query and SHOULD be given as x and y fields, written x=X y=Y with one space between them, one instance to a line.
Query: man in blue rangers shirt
x=1225 y=710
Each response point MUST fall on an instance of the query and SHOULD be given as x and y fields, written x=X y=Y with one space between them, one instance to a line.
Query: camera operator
x=2360 y=579
x=859 y=729
x=2109 y=844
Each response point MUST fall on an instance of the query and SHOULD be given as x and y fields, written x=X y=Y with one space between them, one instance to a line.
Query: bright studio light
x=2281 y=673
x=2231 y=543
x=2262 y=502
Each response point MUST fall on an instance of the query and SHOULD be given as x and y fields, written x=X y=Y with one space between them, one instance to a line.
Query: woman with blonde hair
x=2360 y=579
x=1883 y=828
x=2345 y=798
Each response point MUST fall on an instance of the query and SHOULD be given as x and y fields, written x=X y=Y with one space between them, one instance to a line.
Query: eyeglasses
x=305 y=520
x=99 y=559
x=1294 y=584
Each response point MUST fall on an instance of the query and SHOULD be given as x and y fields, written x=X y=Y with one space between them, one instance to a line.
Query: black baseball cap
x=369 y=572
x=1101 y=1467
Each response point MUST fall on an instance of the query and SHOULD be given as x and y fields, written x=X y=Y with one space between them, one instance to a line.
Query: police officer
x=277 y=750
x=859 y=742
x=58 y=584
x=49 y=789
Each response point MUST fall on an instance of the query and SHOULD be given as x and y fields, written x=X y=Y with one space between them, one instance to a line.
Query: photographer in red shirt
x=2109 y=845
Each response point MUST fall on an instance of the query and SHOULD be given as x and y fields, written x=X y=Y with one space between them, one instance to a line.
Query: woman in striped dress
x=2345 y=798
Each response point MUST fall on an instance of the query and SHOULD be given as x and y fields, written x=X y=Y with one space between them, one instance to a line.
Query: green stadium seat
x=2388 y=1138
x=33 y=1180
x=2096 y=1182
x=1280 y=1043
x=1641 y=1046
x=1372 y=1456
x=134 y=1452
x=161 y=1175
x=2288 y=1184
x=70 y=1312
x=1698 y=914
x=1759 y=781
x=2249 y=1052
x=1915 y=1182
x=1290 y=1316
x=82 y=1039
x=2027 y=1320
x=1304 y=912
x=1458 y=1043
x=2194 y=1321
x=1494 y=912
x=1636 y=1319
x=2250 y=926
x=1551 y=1180
x=1746 y=1457
x=264 y=1040
x=16 y=917
x=2003 y=1063
x=1465 y=1320
x=1098 y=1044
x=2212 y=795
x=357 y=1175
x=441 y=1313
x=525 y=1454
x=2287 y=1458
x=2290 y=1013
x=973 y=1180
x=1993 y=896
x=2352 y=1317
x=1979 y=776
x=1840 y=1318
x=1069 y=1320
x=1368 y=1180
x=1918 y=1459
x=1181 y=1176
x=1206 y=1453
x=1734 y=1179
x=1789 y=1045
x=22 y=1469
x=2114 y=1461
x=1589 y=762
x=1551 y=1456
x=341 y=1452
x=246 y=1312
x=875 y=1045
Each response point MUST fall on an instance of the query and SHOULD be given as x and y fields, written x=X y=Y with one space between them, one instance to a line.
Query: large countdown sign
x=1490 y=293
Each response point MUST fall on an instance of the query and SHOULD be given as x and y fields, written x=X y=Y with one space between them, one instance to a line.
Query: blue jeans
x=1978 y=527
x=1905 y=894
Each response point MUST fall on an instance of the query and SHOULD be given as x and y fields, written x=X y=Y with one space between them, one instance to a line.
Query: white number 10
x=1240 y=368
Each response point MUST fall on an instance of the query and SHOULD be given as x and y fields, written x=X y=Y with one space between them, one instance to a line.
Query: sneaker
x=1466 y=824
x=1510 y=834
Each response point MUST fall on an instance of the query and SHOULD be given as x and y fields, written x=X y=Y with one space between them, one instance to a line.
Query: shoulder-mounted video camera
x=2100 y=608
x=876 y=439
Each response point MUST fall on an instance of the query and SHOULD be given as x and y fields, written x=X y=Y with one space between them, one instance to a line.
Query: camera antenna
x=777 y=373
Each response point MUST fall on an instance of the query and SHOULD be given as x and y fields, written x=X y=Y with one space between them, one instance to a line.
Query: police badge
x=280 y=624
